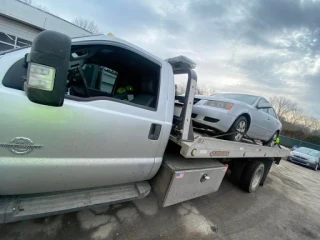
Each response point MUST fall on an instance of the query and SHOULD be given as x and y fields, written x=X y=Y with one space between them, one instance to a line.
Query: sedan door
x=274 y=124
x=259 y=124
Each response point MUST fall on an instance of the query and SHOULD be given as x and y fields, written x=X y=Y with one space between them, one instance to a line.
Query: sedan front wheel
x=272 y=141
x=238 y=129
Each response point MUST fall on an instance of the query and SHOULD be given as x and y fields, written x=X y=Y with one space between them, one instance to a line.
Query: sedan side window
x=264 y=110
x=272 y=113
x=263 y=101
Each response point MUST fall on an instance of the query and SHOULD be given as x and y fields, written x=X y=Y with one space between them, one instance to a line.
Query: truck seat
x=146 y=96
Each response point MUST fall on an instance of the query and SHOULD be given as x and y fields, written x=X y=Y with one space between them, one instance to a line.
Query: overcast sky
x=266 y=47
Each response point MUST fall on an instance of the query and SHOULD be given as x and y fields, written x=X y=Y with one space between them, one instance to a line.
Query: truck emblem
x=20 y=145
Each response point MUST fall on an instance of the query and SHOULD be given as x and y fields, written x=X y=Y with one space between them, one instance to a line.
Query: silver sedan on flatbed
x=238 y=115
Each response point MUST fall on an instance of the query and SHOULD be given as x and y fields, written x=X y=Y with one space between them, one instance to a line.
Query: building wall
x=39 y=19
x=18 y=29
x=14 y=34
x=20 y=23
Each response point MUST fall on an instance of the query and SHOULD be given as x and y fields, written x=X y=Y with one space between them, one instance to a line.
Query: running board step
x=22 y=207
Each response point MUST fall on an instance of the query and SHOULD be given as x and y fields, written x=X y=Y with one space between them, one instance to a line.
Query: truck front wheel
x=252 y=176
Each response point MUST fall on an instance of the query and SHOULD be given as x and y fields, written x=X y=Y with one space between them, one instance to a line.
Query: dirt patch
x=310 y=180
x=289 y=181
x=308 y=233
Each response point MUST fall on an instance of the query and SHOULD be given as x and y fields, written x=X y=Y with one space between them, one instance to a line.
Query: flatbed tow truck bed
x=211 y=147
x=195 y=168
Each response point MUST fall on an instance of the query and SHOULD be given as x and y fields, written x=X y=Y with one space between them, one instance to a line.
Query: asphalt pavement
x=287 y=207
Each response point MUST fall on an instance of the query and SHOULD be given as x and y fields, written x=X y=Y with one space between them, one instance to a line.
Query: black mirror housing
x=48 y=64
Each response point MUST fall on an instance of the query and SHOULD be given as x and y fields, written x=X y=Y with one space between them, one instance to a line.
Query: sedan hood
x=220 y=98
x=304 y=157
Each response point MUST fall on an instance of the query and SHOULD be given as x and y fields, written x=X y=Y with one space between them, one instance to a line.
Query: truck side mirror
x=48 y=64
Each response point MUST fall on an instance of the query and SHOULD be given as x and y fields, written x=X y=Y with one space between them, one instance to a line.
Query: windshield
x=249 y=99
x=308 y=151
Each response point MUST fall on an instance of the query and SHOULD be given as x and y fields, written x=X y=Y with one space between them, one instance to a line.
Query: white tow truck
x=90 y=121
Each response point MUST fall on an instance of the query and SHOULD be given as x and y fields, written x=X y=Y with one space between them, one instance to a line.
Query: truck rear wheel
x=252 y=176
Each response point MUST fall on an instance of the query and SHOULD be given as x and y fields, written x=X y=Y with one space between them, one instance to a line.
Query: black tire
x=234 y=134
x=271 y=142
x=252 y=176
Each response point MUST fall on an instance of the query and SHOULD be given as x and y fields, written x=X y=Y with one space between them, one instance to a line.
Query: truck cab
x=112 y=128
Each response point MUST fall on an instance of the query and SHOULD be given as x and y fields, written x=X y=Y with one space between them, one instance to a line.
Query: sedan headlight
x=314 y=160
x=218 y=104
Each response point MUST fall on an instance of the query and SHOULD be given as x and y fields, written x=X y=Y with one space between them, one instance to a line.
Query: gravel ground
x=287 y=207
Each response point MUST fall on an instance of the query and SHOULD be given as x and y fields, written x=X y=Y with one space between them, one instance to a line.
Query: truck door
x=90 y=141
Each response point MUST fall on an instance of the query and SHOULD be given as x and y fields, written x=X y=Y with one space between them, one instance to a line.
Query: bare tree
x=284 y=107
x=204 y=90
x=295 y=122
x=317 y=126
x=309 y=122
x=201 y=90
x=179 y=89
x=87 y=24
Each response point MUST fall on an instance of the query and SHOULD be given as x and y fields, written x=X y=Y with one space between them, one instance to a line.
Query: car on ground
x=238 y=115
x=305 y=156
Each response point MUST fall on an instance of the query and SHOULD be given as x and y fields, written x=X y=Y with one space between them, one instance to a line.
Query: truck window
x=108 y=73
x=108 y=79
x=113 y=74
x=99 y=77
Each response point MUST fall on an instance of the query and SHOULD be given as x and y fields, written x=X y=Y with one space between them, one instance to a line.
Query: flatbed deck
x=205 y=146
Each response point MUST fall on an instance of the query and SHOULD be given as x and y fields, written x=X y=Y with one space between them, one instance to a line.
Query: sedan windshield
x=308 y=151
x=249 y=99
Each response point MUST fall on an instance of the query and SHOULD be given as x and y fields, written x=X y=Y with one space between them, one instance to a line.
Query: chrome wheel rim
x=241 y=128
x=257 y=177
